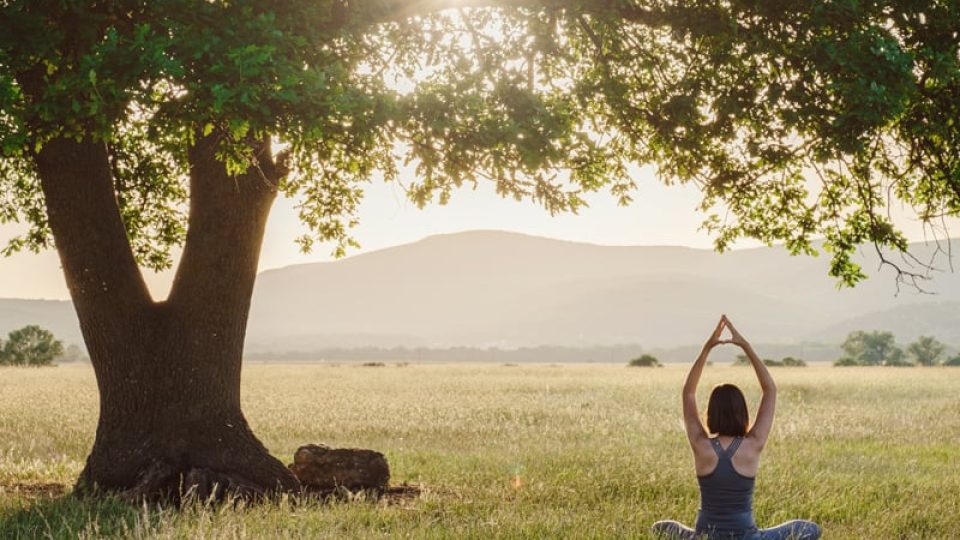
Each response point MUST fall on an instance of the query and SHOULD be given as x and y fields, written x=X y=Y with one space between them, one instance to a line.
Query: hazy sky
x=660 y=215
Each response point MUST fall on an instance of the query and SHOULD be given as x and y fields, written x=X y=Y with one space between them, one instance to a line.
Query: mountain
x=54 y=315
x=940 y=319
x=486 y=288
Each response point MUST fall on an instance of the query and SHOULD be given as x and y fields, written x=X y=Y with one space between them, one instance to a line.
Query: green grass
x=598 y=451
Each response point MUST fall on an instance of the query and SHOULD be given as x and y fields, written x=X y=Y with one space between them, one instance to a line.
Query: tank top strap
x=730 y=450
x=734 y=446
x=717 y=447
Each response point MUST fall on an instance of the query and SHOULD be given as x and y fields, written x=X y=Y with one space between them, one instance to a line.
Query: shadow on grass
x=45 y=511
x=29 y=511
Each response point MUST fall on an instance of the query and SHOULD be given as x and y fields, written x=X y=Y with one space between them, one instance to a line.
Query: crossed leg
x=797 y=529
x=673 y=530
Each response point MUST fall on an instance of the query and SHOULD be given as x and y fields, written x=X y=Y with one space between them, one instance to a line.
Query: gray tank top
x=726 y=496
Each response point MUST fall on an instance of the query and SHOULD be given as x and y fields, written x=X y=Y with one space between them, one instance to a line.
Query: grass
x=571 y=451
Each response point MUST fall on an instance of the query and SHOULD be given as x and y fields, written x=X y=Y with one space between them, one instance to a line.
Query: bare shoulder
x=704 y=457
x=700 y=444
x=747 y=459
x=752 y=445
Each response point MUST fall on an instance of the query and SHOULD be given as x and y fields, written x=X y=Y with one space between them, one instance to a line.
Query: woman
x=727 y=463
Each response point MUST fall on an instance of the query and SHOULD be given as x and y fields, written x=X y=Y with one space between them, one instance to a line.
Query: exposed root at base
x=193 y=484
x=168 y=483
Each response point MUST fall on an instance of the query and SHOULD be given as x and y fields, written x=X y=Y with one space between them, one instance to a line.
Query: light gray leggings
x=797 y=529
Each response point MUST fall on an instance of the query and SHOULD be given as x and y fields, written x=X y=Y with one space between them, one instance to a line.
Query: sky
x=659 y=215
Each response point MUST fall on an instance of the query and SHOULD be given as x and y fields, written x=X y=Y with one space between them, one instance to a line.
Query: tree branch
x=98 y=263
x=226 y=224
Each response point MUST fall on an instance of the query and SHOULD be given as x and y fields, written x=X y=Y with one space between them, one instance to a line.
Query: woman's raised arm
x=691 y=415
x=768 y=401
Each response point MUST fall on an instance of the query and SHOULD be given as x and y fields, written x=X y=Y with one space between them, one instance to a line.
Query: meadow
x=530 y=451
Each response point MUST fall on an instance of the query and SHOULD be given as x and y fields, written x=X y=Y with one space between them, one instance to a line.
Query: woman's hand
x=714 y=339
x=737 y=337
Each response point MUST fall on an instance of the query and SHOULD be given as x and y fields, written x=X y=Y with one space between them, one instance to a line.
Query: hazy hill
x=54 y=315
x=510 y=290
x=503 y=289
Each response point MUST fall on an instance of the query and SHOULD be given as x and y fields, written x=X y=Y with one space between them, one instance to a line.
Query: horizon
x=509 y=290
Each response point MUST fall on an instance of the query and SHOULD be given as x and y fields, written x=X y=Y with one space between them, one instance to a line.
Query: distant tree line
x=543 y=353
x=786 y=361
x=880 y=349
x=860 y=348
x=546 y=353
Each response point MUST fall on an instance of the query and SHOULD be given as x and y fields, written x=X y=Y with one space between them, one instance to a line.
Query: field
x=566 y=451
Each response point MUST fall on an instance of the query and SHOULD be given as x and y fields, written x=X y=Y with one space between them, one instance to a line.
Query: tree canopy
x=926 y=350
x=797 y=120
x=30 y=346
x=872 y=349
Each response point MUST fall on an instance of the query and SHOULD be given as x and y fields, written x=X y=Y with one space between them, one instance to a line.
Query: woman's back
x=726 y=496
x=745 y=460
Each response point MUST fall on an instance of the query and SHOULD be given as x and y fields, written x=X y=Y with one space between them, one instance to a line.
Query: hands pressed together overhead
x=736 y=338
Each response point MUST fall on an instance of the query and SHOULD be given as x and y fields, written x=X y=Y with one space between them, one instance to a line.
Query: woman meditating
x=727 y=462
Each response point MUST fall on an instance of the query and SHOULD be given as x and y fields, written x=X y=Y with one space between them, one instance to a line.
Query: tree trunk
x=168 y=373
x=170 y=418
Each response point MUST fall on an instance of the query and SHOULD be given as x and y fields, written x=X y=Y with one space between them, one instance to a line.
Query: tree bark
x=168 y=373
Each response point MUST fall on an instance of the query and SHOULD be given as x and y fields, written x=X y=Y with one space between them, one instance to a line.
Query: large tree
x=131 y=127
x=926 y=350
x=30 y=346
x=872 y=349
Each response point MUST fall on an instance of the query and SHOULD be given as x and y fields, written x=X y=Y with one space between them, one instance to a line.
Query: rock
x=324 y=469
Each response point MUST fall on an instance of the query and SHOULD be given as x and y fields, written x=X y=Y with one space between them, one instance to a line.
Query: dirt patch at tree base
x=403 y=492
x=33 y=491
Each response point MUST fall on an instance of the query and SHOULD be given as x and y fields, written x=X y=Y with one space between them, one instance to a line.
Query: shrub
x=373 y=364
x=790 y=361
x=647 y=360
x=898 y=361
x=952 y=362
x=846 y=362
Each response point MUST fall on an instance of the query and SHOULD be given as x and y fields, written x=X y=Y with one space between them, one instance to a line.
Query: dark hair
x=727 y=411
